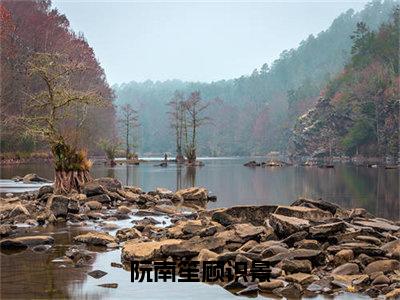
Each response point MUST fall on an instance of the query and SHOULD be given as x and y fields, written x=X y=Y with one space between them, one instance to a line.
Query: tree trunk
x=70 y=181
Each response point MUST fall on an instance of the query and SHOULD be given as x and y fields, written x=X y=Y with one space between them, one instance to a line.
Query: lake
x=375 y=189
x=29 y=274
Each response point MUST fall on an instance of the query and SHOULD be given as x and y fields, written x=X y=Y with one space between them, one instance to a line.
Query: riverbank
x=312 y=246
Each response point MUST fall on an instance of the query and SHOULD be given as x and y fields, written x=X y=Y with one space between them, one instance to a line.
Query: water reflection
x=377 y=189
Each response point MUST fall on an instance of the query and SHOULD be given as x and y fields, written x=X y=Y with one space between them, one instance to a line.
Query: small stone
x=250 y=290
x=97 y=274
x=270 y=285
x=381 y=279
x=308 y=244
x=290 y=291
x=116 y=265
x=41 y=248
x=301 y=278
x=94 y=205
x=395 y=294
x=296 y=266
x=207 y=255
x=365 y=259
x=343 y=256
x=124 y=209
x=347 y=269
x=385 y=266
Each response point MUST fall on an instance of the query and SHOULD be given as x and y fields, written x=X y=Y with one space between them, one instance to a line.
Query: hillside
x=358 y=113
x=254 y=114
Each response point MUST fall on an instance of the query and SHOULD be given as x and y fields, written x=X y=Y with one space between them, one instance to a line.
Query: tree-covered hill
x=254 y=114
x=358 y=112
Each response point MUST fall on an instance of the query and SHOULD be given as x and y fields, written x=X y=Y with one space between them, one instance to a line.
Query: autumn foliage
x=32 y=27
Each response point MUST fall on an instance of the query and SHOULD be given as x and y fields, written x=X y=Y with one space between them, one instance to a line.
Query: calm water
x=377 y=190
x=27 y=275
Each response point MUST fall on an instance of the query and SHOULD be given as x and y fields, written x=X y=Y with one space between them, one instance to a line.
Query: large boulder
x=301 y=212
x=134 y=250
x=327 y=229
x=128 y=195
x=189 y=228
x=377 y=224
x=248 y=231
x=384 y=265
x=324 y=205
x=95 y=238
x=253 y=214
x=58 y=205
x=192 y=247
x=192 y=194
x=92 y=188
x=285 y=226
x=26 y=241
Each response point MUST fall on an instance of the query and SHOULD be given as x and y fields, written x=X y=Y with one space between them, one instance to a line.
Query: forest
x=358 y=112
x=30 y=31
x=254 y=114
x=250 y=115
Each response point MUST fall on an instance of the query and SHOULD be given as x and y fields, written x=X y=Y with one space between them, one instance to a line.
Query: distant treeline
x=254 y=114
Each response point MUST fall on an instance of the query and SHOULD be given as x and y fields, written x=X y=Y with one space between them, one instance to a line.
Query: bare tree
x=178 y=122
x=128 y=121
x=195 y=109
x=49 y=110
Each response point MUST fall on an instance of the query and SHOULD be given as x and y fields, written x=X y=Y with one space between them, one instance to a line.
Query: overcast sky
x=197 y=41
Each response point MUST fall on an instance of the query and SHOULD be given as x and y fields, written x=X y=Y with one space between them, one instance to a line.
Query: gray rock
x=285 y=226
x=110 y=184
x=102 y=198
x=327 y=229
x=58 y=205
x=296 y=266
x=46 y=189
x=97 y=274
x=302 y=212
x=26 y=241
x=347 y=269
x=385 y=265
x=255 y=215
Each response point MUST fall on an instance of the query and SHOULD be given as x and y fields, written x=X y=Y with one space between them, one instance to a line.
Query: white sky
x=197 y=41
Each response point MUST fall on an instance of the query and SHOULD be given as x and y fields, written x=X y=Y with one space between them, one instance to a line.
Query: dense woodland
x=30 y=29
x=254 y=114
x=358 y=113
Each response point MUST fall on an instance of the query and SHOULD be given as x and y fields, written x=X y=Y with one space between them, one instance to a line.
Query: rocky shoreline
x=313 y=246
